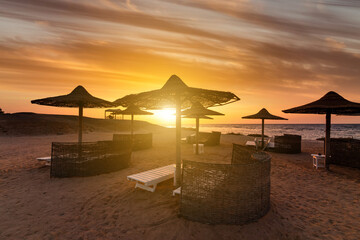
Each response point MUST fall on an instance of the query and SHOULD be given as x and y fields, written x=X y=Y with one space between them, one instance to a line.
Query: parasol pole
x=197 y=135
x=262 y=133
x=178 y=140
x=132 y=130
x=327 y=139
x=132 y=125
x=80 y=121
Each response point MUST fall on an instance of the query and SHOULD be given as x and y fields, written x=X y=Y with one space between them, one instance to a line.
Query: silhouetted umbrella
x=134 y=110
x=80 y=98
x=113 y=111
x=195 y=116
x=330 y=103
x=264 y=114
x=176 y=94
x=198 y=111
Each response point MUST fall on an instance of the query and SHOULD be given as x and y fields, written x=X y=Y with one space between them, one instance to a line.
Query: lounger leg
x=147 y=188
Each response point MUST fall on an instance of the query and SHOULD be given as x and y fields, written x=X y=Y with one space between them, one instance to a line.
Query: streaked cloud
x=257 y=49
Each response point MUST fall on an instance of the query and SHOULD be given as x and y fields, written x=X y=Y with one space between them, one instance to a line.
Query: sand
x=305 y=203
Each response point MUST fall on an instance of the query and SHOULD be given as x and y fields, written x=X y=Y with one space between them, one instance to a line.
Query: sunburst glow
x=165 y=116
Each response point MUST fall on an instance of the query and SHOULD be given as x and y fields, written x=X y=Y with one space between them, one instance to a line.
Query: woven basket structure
x=288 y=143
x=141 y=140
x=209 y=139
x=345 y=151
x=236 y=193
x=89 y=158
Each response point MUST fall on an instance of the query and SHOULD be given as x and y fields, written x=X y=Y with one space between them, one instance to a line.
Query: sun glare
x=165 y=116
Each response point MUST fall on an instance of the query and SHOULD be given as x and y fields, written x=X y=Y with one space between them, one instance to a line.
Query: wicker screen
x=88 y=159
x=345 y=151
x=226 y=193
x=141 y=141
x=288 y=143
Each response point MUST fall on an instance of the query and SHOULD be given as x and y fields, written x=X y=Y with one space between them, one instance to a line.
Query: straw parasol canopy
x=79 y=98
x=330 y=103
x=263 y=114
x=198 y=111
x=176 y=94
x=174 y=88
x=134 y=110
x=196 y=116
x=113 y=111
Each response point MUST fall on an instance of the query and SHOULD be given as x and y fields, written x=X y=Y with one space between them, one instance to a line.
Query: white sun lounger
x=47 y=160
x=257 y=142
x=250 y=143
x=148 y=180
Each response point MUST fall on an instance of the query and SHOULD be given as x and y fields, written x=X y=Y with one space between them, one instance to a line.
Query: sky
x=275 y=54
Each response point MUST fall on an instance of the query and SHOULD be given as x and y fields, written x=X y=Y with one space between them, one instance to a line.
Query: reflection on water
x=307 y=131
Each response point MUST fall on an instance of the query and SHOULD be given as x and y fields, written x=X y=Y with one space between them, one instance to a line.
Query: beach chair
x=267 y=144
x=318 y=160
x=251 y=143
x=47 y=160
x=148 y=180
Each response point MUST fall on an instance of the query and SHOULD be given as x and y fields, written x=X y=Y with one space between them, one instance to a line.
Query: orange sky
x=269 y=53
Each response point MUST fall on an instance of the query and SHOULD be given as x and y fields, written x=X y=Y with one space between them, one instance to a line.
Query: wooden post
x=132 y=125
x=177 y=179
x=197 y=135
x=132 y=130
x=327 y=140
x=80 y=122
x=262 y=134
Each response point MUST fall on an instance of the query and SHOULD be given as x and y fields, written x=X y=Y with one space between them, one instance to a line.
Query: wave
x=307 y=131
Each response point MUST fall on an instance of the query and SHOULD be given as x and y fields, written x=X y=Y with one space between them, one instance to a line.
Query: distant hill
x=27 y=123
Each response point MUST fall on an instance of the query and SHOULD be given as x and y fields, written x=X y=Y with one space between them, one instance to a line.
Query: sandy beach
x=305 y=203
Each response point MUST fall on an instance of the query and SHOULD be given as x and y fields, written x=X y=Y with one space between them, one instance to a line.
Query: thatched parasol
x=195 y=116
x=263 y=114
x=330 y=103
x=198 y=111
x=176 y=94
x=113 y=111
x=80 y=98
x=134 y=110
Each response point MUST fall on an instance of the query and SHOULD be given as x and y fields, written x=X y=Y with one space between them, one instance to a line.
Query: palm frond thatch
x=79 y=96
x=135 y=110
x=166 y=96
x=197 y=116
x=114 y=111
x=264 y=114
x=200 y=110
x=332 y=102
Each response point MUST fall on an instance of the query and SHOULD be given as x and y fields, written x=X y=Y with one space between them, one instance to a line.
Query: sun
x=165 y=116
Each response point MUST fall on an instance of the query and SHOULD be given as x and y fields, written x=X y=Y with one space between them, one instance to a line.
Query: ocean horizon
x=307 y=131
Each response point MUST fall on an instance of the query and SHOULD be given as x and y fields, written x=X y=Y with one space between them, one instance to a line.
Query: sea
x=307 y=131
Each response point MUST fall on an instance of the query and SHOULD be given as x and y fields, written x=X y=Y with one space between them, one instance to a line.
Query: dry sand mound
x=19 y=124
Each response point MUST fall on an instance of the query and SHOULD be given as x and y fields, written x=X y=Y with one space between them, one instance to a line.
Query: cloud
x=334 y=44
x=63 y=9
x=260 y=16
x=127 y=47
